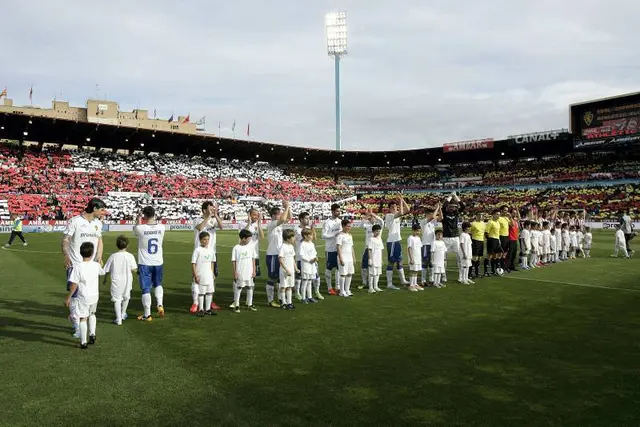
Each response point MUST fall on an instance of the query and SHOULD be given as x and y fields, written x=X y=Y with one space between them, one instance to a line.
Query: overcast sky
x=418 y=74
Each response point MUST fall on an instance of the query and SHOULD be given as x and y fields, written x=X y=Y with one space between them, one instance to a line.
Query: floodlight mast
x=336 y=32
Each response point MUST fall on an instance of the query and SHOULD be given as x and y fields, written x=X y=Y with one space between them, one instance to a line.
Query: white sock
x=270 y=292
x=117 y=307
x=250 y=296
x=298 y=283
x=194 y=294
x=159 y=294
x=83 y=332
x=146 y=304
x=461 y=273
x=431 y=275
x=316 y=283
x=200 y=302
x=327 y=277
x=436 y=279
x=125 y=305
x=403 y=279
x=92 y=324
x=340 y=287
x=288 y=294
x=282 y=295
x=389 y=278
x=337 y=275
x=423 y=275
x=376 y=282
x=309 y=289
x=207 y=301
x=347 y=284
x=365 y=276
x=236 y=294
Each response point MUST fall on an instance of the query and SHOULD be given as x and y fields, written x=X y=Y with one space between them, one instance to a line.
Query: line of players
x=292 y=258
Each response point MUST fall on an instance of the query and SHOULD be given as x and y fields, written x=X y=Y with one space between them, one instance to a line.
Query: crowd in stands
x=51 y=184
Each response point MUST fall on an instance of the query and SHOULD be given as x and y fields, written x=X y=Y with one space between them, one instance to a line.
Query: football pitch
x=557 y=346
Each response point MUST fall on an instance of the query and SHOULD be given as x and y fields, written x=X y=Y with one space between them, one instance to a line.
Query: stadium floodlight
x=335 y=25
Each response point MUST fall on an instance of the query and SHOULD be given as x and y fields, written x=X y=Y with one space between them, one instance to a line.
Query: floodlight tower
x=335 y=24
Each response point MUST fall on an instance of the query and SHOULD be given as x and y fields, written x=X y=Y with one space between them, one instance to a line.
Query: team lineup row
x=292 y=260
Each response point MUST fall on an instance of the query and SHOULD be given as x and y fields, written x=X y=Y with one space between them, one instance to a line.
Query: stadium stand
x=54 y=184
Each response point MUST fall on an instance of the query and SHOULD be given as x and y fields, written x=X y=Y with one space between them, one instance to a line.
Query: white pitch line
x=583 y=285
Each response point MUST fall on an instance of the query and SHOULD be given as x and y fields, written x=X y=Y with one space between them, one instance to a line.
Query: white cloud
x=418 y=74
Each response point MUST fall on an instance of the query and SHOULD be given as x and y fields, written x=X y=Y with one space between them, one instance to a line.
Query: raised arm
x=286 y=215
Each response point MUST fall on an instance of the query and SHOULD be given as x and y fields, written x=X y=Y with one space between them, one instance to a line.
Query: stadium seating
x=56 y=184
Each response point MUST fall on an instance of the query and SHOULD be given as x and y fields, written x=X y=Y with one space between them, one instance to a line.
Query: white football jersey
x=345 y=241
x=428 y=231
x=414 y=247
x=203 y=259
x=465 y=242
x=393 y=225
x=80 y=231
x=274 y=237
x=86 y=276
x=377 y=246
x=254 y=229
x=330 y=230
x=210 y=227
x=243 y=256
x=150 y=239
x=288 y=254
x=368 y=232
x=120 y=265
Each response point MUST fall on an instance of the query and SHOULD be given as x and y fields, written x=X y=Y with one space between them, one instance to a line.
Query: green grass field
x=555 y=346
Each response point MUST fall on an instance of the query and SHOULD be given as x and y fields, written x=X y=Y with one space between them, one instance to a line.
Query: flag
x=186 y=119
x=171 y=118
x=219 y=126
x=155 y=113
x=201 y=121
x=233 y=126
x=4 y=92
x=31 y=95
x=249 y=129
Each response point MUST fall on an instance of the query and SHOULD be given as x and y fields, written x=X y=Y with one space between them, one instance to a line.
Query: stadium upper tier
x=57 y=183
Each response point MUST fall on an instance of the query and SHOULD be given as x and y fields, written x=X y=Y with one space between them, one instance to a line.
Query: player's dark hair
x=429 y=210
x=287 y=234
x=307 y=232
x=244 y=234
x=438 y=231
x=466 y=225
x=274 y=210
x=335 y=207
x=545 y=223
x=393 y=203
x=206 y=205
x=86 y=250
x=303 y=215
x=94 y=204
x=587 y=229
x=416 y=227
x=252 y=210
x=496 y=211
x=202 y=235
x=148 y=212
x=376 y=227
x=122 y=242
x=345 y=222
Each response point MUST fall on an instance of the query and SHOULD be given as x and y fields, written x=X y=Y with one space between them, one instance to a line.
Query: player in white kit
x=394 y=241
x=331 y=228
x=588 y=240
x=209 y=222
x=121 y=266
x=84 y=281
x=465 y=254
x=375 y=248
x=346 y=259
x=254 y=226
x=438 y=257
x=202 y=271
x=274 y=237
x=370 y=219
x=305 y=223
x=150 y=236
x=244 y=270
x=309 y=266
x=414 y=252
x=288 y=268
x=83 y=228
x=621 y=243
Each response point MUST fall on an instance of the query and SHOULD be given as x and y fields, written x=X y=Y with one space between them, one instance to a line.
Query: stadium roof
x=61 y=131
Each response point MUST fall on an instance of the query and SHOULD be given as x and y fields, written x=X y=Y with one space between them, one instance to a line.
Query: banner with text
x=476 y=144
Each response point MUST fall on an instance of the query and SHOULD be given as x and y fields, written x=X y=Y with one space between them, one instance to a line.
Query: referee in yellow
x=16 y=230
x=504 y=222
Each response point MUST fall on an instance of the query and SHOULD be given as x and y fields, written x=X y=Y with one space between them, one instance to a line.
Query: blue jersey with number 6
x=150 y=237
